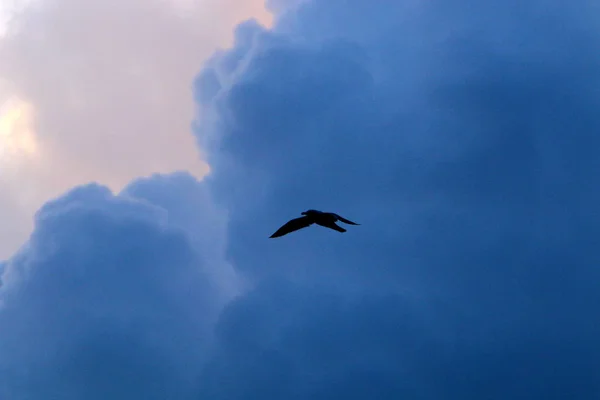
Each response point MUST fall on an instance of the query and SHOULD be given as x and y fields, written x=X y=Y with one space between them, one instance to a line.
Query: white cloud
x=101 y=91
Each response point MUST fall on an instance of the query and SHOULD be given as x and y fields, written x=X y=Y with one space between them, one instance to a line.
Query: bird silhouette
x=326 y=219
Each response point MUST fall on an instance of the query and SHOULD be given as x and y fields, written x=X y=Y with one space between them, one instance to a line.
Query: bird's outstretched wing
x=292 y=225
x=346 y=221
x=334 y=226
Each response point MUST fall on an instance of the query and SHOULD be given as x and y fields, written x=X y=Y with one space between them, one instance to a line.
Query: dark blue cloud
x=191 y=208
x=463 y=136
x=111 y=297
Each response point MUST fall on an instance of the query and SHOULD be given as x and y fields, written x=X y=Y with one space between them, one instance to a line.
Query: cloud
x=110 y=297
x=461 y=136
x=288 y=341
x=102 y=80
x=191 y=208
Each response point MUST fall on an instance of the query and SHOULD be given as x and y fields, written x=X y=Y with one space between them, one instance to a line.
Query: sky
x=461 y=135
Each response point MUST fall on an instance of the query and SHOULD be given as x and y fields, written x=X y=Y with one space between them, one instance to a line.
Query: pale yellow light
x=18 y=142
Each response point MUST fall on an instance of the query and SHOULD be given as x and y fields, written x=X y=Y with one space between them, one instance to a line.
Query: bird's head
x=308 y=212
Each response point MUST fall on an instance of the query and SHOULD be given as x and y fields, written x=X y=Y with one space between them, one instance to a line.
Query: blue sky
x=462 y=136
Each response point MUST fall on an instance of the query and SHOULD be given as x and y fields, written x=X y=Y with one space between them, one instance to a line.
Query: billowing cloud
x=462 y=136
x=191 y=208
x=101 y=90
x=111 y=296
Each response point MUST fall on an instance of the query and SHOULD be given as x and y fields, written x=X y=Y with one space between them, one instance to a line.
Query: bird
x=326 y=219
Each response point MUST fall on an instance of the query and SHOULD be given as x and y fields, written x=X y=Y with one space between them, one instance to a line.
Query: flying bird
x=326 y=219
